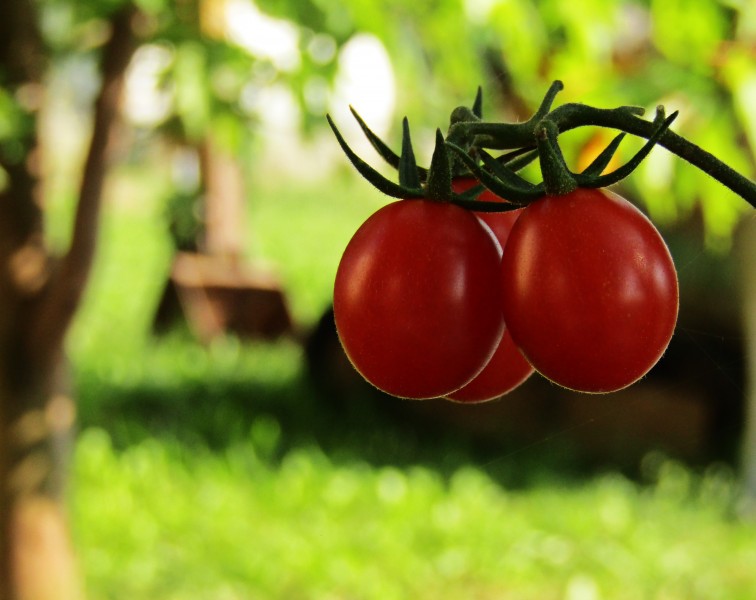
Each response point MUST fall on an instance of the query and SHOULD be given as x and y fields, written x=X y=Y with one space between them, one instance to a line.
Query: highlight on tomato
x=417 y=302
x=589 y=290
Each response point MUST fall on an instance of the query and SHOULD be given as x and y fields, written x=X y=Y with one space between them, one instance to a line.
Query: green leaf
x=191 y=81
x=374 y=177
x=380 y=146
x=632 y=164
x=477 y=106
x=604 y=158
x=521 y=193
x=517 y=159
x=440 y=175
x=408 y=176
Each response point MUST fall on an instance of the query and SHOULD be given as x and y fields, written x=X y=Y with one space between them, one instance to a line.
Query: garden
x=232 y=368
x=220 y=471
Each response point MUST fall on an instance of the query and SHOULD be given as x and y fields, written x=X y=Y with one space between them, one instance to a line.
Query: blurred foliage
x=265 y=514
x=185 y=220
x=214 y=471
x=209 y=76
x=242 y=525
x=698 y=56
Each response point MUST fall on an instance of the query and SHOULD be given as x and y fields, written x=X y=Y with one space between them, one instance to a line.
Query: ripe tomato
x=507 y=368
x=417 y=302
x=589 y=290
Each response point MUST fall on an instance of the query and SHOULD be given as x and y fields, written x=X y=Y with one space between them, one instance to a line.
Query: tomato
x=589 y=290
x=416 y=298
x=508 y=368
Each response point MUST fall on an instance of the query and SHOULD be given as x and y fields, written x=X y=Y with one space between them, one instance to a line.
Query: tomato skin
x=416 y=298
x=507 y=368
x=590 y=292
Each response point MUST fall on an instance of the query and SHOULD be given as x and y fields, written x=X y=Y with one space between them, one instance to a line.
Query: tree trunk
x=221 y=173
x=38 y=561
x=38 y=299
x=224 y=204
x=746 y=241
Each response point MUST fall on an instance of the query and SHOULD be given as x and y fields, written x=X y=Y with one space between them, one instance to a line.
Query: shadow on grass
x=284 y=396
x=358 y=424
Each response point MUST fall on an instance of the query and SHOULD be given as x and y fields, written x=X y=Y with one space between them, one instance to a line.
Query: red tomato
x=589 y=289
x=416 y=299
x=508 y=368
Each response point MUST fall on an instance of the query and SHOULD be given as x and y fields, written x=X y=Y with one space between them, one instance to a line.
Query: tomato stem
x=503 y=136
x=571 y=116
x=557 y=178
x=469 y=137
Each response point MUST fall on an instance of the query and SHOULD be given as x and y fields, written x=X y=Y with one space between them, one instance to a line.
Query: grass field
x=217 y=473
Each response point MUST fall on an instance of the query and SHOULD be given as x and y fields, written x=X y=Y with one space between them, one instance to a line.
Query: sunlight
x=366 y=82
x=265 y=37
x=366 y=79
x=478 y=10
x=145 y=103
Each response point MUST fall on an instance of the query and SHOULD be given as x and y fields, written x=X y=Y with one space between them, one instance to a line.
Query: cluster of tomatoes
x=435 y=300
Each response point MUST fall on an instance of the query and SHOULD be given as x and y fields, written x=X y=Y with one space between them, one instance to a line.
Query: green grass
x=217 y=472
x=161 y=521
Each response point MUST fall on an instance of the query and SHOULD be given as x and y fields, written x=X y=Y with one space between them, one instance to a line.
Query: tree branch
x=22 y=59
x=62 y=295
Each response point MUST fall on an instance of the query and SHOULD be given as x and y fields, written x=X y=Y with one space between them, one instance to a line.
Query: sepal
x=380 y=182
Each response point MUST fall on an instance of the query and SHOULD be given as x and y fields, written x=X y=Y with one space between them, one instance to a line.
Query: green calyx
x=433 y=183
x=559 y=180
x=466 y=151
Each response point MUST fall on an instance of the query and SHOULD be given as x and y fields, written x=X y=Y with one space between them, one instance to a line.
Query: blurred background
x=226 y=447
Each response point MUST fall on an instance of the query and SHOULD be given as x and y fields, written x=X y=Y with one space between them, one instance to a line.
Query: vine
x=465 y=151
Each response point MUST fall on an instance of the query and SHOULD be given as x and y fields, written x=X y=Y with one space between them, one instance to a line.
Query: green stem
x=572 y=116
x=501 y=136
x=557 y=179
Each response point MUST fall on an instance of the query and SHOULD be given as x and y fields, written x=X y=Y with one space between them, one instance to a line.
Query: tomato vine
x=469 y=138
x=480 y=277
